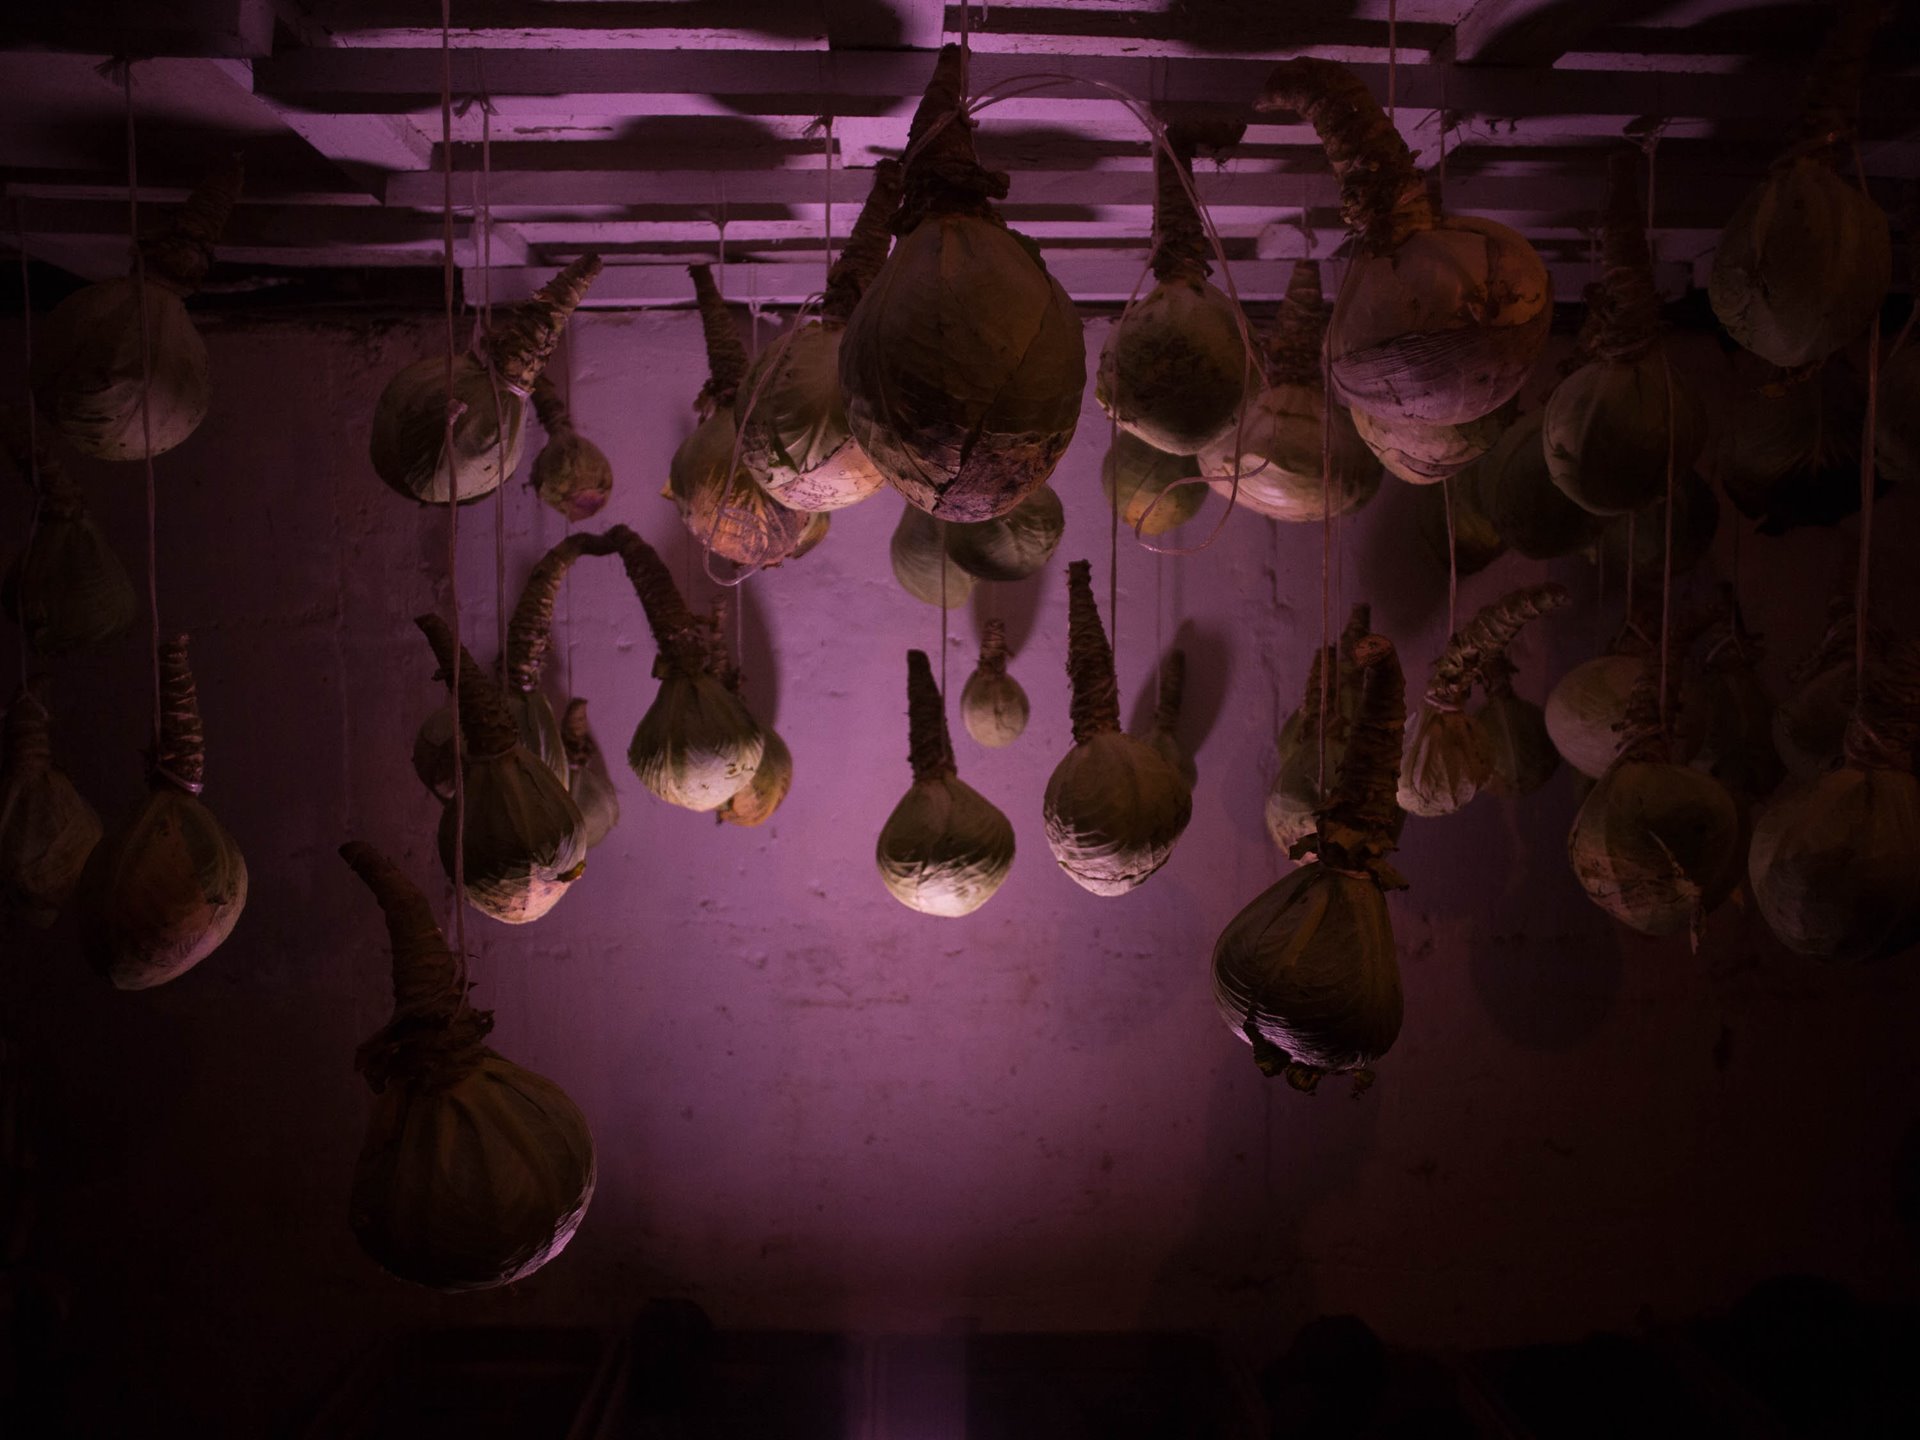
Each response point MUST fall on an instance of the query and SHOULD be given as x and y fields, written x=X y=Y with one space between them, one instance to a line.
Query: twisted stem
x=1381 y=194
x=678 y=635
x=929 y=748
x=944 y=175
x=488 y=728
x=182 y=755
x=523 y=344
x=180 y=256
x=530 y=630
x=866 y=248
x=1096 y=693
x=1356 y=828
x=434 y=1036
x=1484 y=637
x=1299 y=330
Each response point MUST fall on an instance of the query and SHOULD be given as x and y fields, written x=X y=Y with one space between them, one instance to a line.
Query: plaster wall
x=816 y=1109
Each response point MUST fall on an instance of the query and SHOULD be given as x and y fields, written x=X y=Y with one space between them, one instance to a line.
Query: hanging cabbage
x=992 y=704
x=47 y=829
x=66 y=589
x=1278 y=449
x=963 y=364
x=1514 y=488
x=524 y=840
x=697 y=746
x=571 y=473
x=1810 y=724
x=1442 y=316
x=1142 y=485
x=1515 y=732
x=918 y=553
x=164 y=887
x=473 y=1172
x=1656 y=844
x=753 y=803
x=1835 y=857
x=1307 y=973
x=87 y=374
x=1423 y=453
x=1114 y=807
x=1014 y=545
x=795 y=438
x=945 y=848
x=1448 y=758
x=588 y=782
x=1174 y=370
x=409 y=445
x=723 y=505
x=1805 y=261
x=1788 y=448
x=1617 y=426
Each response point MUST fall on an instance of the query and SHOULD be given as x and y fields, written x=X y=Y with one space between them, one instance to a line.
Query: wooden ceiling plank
x=1092 y=280
x=364 y=148
x=615 y=82
x=1528 y=32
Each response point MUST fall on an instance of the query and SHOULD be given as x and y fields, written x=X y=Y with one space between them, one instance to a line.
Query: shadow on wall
x=1271 y=1157
x=1546 y=984
x=752 y=645
x=1209 y=666
x=1017 y=603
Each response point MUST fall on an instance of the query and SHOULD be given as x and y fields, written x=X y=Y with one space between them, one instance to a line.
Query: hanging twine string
x=1453 y=557
x=827 y=169
x=1016 y=87
x=483 y=327
x=1666 y=549
x=1393 y=56
x=945 y=565
x=454 y=410
x=146 y=396
x=1862 y=586
x=33 y=422
x=1326 y=550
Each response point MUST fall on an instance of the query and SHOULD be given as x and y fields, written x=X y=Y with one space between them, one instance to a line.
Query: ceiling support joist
x=627 y=82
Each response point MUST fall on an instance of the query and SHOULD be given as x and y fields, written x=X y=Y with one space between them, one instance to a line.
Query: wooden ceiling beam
x=628 y=82
x=1527 y=32
x=1090 y=280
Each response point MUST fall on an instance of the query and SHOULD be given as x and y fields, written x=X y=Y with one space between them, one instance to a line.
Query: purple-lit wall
x=817 y=1109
